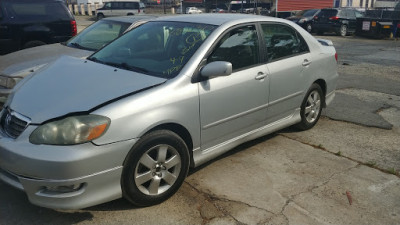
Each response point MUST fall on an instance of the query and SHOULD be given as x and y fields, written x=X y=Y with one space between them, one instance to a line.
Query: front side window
x=282 y=42
x=155 y=48
x=239 y=47
x=107 y=5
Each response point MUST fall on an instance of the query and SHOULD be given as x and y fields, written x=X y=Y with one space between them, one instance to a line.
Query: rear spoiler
x=325 y=42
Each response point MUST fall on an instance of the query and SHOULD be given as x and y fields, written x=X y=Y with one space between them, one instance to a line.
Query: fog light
x=63 y=188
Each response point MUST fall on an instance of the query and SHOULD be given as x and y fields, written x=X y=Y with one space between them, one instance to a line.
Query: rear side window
x=328 y=13
x=50 y=10
x=282 y=42
x=351 y=14
x=117 y=5
x=131 y=5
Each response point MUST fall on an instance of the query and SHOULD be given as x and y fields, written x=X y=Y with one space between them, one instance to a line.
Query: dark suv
x=341 y=21
x=29 y=23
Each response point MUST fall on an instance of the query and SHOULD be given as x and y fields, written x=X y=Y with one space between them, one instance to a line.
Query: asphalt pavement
x=343 y=171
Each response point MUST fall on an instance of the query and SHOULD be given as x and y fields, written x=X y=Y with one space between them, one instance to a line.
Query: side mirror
x=217 y=69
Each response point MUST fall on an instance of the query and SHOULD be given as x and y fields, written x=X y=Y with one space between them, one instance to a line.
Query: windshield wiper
x=94 y=59
x=127 y=67
x=76 y=45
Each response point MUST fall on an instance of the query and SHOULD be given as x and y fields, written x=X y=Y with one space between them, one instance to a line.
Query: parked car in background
x=30 y=23
x=121 y=8
x=304 y=18
x=342 y=21
x=193 y=10
x=15 y=66
x=170 y=94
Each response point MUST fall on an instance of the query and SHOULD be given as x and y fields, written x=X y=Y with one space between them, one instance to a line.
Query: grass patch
x=392 y=171
x=371 y=164
x=339 y=153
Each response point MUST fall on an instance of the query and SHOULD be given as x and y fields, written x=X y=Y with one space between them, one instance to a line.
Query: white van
x=120 y=8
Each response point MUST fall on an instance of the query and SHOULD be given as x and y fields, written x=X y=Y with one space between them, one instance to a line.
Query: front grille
x=13 y=123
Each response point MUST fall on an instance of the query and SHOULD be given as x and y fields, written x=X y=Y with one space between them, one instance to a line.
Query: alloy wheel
x=313 y=106
x=157 y=169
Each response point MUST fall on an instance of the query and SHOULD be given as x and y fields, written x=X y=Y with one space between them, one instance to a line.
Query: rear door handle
x=306 y=62
x=261 y=76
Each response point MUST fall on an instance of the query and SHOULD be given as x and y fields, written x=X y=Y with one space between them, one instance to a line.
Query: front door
x=234 y=105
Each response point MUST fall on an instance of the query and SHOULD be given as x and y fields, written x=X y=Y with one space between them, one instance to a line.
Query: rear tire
x=311 y=107
x=155 y=168
x=309 y=28
x=343 y=30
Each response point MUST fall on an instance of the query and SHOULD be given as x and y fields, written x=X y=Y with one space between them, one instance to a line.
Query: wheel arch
x=182 y=132
x=322 y=84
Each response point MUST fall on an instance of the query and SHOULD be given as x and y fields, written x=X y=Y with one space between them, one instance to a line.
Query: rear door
x=352 y=20
x=324 y=18
x=289 y=60
x=131 y=8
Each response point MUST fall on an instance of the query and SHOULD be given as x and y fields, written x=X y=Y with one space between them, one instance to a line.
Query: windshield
x=307 y=13
x=155 y=48
x=97 y=35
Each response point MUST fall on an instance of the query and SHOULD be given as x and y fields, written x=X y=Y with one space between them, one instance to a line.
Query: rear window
x=51 y=10
x=328 y=13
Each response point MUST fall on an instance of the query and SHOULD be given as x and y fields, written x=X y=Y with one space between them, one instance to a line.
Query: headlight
x=302 y=20
x=8 y=82
x=71 y=130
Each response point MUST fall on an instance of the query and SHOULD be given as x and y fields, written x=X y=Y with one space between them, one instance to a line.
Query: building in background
x=296 y=5
x=355 y=3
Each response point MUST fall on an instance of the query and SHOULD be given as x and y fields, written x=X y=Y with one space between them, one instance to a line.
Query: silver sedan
x=131 y=119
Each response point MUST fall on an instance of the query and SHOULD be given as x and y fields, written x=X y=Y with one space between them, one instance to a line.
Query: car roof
x=131 y=19
x=218 y=19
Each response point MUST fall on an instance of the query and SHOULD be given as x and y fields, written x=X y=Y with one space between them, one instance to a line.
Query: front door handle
x=306 y=62
x=261 y=76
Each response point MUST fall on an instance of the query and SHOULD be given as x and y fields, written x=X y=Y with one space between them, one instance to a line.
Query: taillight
x=315 y=17
x=333 y=18
x=336 y=56
x=139 y=10
x=74 y=29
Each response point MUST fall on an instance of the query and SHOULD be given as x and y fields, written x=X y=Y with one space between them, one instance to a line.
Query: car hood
x=71 y=85
x=37 y=56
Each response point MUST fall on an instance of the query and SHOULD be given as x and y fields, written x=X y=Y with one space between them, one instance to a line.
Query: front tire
x=100 y=16
x=311 y=107
x=155 y=168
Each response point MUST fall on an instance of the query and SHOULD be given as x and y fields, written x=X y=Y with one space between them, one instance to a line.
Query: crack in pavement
x=320 y=147
x=212 y=199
